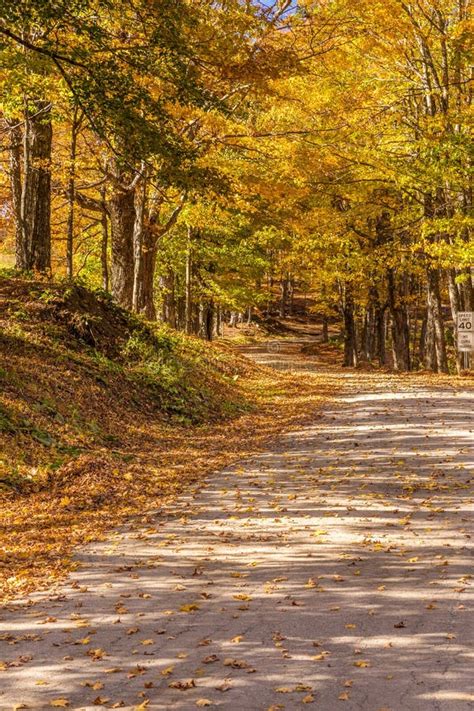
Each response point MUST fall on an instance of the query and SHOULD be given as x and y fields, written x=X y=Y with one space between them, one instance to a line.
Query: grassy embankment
x=104 y=416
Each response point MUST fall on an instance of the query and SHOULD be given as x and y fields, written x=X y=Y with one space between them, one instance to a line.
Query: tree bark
x=325 y=334
x=104 y=242
x=189 y=285
x=37 y=188
x=30 y=177
x=350 y=331
x=71 y=198
x=121 y=207
x=455 y=300
x=436 y=317
x=400 y=326
x=16 y=190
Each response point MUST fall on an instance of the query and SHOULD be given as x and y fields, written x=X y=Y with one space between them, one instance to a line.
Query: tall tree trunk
x=436 y=316
x=291 y=294
x=350 y=332
x=138 y=247
x=104 y=242
x=121 y=206
x=429 y=348
x=467 y=290
x=380 y=330
x=71 y=198
x=30 y=177
x=433 y=208
x=210 y=316
x=189 y=285
x=400 y=326
x=167 y=287
x=37 y=187
x=455 y=300
x=16 y=139
x=146 y=295
x=325 y=334
x=283 y=296
x=219 y=321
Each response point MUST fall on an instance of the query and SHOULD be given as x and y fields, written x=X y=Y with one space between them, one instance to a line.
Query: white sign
x=465 y=323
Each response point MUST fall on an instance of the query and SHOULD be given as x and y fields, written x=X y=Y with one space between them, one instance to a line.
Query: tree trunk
x=436 y=317
x=219 y=321
x=350 y=331
x=37 y=188
x=189 y=286
x=380 y=330
x=121 y=208
x=30 y=176
x=455 y=300
x=325 y=335
x=138 y=247
x=104 y=243
x=400 y=326
x=16 y=190
x=206 y=314
x=284 y=296
x=71 y=198
x=467 y=290
x=146 y=291
x=429 y=345
x=291 y=295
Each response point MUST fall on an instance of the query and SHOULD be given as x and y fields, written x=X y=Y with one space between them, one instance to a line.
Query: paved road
x=332 y=571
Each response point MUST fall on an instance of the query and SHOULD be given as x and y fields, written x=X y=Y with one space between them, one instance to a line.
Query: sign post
x=465 y=330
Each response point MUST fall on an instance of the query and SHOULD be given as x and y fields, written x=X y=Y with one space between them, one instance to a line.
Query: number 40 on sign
x=465 y=323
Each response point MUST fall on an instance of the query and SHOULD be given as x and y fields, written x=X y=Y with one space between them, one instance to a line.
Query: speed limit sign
x=465 y=323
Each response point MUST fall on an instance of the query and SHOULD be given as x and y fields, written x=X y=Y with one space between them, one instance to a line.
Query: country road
x=332 y=571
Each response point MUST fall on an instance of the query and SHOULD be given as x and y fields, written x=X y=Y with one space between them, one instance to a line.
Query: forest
x=203 y=159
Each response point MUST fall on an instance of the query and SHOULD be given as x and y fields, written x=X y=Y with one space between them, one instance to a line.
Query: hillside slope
x=102 y=415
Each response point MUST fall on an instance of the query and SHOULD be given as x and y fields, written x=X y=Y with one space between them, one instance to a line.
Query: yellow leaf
x=242 y=596
x=344 y=696
x=167 y=671
x=147 y=642
x=320 y=657
x=100 y=700
x=362 y=664
x=60 y=703
x=203 y=702
x=308 y=699
x=189 y=608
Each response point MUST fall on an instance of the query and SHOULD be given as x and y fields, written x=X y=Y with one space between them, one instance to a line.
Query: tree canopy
x=198 y=157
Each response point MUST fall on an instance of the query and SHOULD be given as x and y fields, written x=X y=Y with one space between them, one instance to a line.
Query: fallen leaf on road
x=210 y=659
x=189 y=608
x=183 y=685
